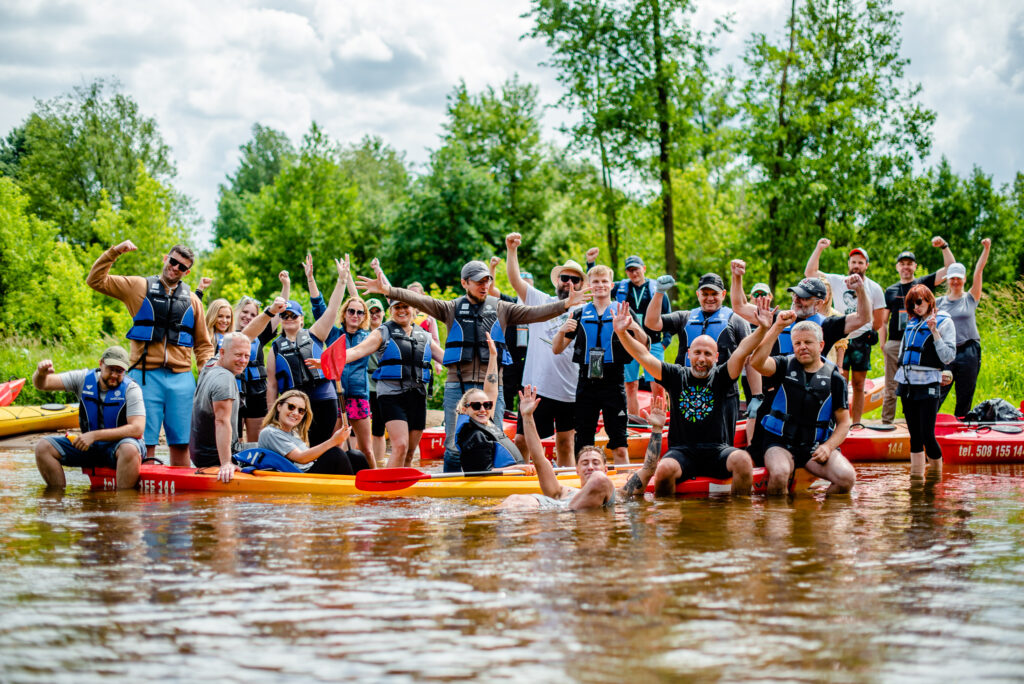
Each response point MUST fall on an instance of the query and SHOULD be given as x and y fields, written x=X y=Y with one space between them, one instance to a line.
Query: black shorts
x=702 y=460
x=801 y=454
x=858 y=353
x=551 y=416
x=604 y=399
x=376 y=420
x=409 y=407
x=254 y=406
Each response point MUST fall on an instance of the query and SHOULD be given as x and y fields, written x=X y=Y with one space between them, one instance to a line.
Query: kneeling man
x=803 y=422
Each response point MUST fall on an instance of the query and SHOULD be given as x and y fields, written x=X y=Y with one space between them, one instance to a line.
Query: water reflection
x=871 y=586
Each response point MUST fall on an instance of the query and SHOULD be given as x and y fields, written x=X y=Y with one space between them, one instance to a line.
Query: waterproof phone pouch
x=595 y=364
x=903 y=321
x=522 y=335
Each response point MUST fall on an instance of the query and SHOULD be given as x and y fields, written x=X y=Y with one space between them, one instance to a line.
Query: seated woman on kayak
x=596 y=489
x=482 y=445
x=286 y=432
x=929 y=343
x=220 y=320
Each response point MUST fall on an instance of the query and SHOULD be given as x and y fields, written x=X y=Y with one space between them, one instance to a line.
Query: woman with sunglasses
x=929 y=343
x=962 y=305
x=482 y=444
x=402 y=376
x=286 y=432
x=295 y=360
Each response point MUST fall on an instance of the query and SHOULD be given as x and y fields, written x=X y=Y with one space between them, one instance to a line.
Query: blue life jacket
x=264 y=459
x=622 y=292
x=802 y=414
x=164 y=316
x=594 y=331
x=257 y=369
x=786 y=341
x=698 y=323
x=290 y=358
x=919 y=344
x=466 y=338
x=219 y=339
x=504 y=454
x=406 y=357
x=98 y=410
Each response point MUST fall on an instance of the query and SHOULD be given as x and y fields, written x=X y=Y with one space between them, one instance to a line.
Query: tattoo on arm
x=492 y=377
x=633 y=485
x=653 y=452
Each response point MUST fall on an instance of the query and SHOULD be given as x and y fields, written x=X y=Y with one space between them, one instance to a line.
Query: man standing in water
x=469 y=319
x=553 y=375
x=857 y=361
x=167 y=329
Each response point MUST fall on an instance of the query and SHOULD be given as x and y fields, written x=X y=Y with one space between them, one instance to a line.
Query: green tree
x=382 y=179
x=80 y=148
x=263 y=158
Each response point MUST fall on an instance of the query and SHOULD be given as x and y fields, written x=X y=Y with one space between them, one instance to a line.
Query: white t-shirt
x=554 y=375
x=844 y=300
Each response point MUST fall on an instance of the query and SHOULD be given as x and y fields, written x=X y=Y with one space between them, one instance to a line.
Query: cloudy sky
x=208 y=70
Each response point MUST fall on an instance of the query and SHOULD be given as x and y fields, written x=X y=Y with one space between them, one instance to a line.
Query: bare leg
x=742 y=468
x=779 y=463
x=837 y=470
x=151 y=451
x=252 y=429
x=361 y=429
x=380 y=448
x=518 y=502
x=657 y=390
x=48 y=462
x=414 y=444
x=598 y=490
x=399 y=431
x=179 y=454
x=632 y=402
x=128 y=461
x=564 y=456
x=666 y=475
x=935 y=464
x=857 y=405
x=917 y=464
x=621 y=456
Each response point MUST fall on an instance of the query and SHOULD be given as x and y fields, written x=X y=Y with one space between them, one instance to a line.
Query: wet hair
x=601 y=270
x=596 y=449
x=213 y=311
x=270 y=420
x=811 y=327
x=918 y=291
x=184 y=251
x=364 y=324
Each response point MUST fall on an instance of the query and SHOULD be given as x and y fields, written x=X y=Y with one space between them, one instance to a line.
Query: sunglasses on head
x=355 y=312
x=477 y=405
x=287 y=316
x=293 y=407
x=575 y=280
x=174 y=263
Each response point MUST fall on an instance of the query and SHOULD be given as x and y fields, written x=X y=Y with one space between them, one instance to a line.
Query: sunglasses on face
x=287 y=316
x=758 y=295
x=477 y=405
x=575 y=280
x=293 y=407
x=915 y=302
x=174 y=263
x=355 y=312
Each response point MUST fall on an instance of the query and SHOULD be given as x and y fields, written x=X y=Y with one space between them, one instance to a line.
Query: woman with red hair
x=929 y=343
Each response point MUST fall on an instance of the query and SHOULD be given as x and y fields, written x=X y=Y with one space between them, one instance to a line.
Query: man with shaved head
x=701 y=431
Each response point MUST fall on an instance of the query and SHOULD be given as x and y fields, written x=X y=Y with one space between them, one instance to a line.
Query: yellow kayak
x=16 y=420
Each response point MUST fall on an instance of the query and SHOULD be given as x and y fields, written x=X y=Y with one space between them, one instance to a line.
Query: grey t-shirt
x=281 y=442
x=134 y=406
x=962 y=312
x=216 y=383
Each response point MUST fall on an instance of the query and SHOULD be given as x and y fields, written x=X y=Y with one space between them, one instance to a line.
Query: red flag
x=332 y=360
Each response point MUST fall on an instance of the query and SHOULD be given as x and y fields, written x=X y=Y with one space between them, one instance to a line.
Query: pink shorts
x=356 y=409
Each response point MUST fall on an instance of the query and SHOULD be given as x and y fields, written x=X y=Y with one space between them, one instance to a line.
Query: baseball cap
x=761 y=287
x=905 y=254
x=633 y=261
x=712 y=281
x=115 y=356
x=475 y=271
x=860 y=250
x=374 y=303
x=956 y=270
x=809 y=287
x=294 y=307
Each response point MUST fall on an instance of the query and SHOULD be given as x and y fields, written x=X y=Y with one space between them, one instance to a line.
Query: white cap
x=956 y=271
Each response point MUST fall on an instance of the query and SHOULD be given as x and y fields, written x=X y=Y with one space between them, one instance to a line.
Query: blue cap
x=294 y=307
x=633 y=261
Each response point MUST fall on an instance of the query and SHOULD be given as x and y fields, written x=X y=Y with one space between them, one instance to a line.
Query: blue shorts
x=633 y=371
x=168 y=398
x=102 y=455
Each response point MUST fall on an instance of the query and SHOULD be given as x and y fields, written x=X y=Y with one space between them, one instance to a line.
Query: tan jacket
x=132 y=291
x=509 y=316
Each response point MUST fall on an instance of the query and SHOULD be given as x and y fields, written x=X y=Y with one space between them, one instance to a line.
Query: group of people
x=578 y=355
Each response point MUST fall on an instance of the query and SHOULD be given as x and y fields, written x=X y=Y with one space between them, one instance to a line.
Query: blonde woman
x=286 y=432
x=220 y=320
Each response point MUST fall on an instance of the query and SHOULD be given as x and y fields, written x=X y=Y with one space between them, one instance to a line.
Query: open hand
x=342 y=265
x=307 y=266
x=655 y=415
x=373 y=285
x=765 y=312
x=528 y=400
x=315 y=364
x=577 y=297
x=492 y=348
x=226 y=472
x=622 y=319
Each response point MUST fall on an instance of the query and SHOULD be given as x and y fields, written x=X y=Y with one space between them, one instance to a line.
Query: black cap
x=906 y=254
x=633 y=261
x=712 y=281
x=810 y=287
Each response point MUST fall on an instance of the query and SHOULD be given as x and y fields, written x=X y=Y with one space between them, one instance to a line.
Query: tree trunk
x=780 y=149
x=664 y=146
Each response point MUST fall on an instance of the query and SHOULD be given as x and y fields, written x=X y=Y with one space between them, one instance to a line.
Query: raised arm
x=99 y=277
x=45 y=379
x=812 y=268
x=307 y=266
x=979 y=268
x=746 y=347
x=350 y=283
x=737 y=297
x=623 y=324
x=590 y=258
x=637 y=482
x=762 y=361
x=286 y=285
x=947 y=258
x=322 y=328
x=259 y=324
x=864 y=312
x=546 y=477
x=491 y=378
x=493 y=268
x=652 y=318
x=512 y=242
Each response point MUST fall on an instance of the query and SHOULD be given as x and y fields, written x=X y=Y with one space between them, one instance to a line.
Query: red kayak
x=982 y=444
x=9 y=391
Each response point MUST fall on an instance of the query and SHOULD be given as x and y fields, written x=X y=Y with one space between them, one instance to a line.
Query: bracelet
x=268 y=313
x=945 y=245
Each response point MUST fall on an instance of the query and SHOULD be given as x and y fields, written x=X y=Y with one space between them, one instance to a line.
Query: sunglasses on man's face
x=477 y=405
x=355 y=312
x=174 y=263
x=575 y=280
x=287 y=316
x=292 y=407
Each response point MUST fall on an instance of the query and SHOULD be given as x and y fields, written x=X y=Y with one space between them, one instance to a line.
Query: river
x=899 y=581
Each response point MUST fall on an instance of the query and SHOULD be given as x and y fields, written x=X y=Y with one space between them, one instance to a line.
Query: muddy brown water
x=901 y=581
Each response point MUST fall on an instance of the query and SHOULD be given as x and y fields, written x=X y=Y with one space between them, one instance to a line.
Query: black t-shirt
x=894 y=296
x=698 y=405
x=838 y=391
x=613 y=370
x=735 y=331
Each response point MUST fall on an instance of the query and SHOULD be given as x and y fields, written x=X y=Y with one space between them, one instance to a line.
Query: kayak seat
x=264 y=459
